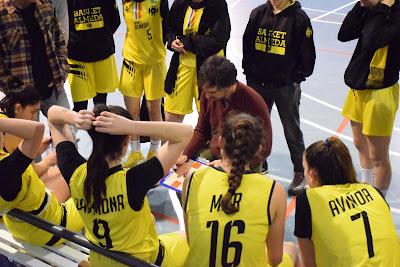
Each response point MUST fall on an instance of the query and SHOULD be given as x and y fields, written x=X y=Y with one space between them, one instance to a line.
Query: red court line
x=165 y=217
x=292 y=203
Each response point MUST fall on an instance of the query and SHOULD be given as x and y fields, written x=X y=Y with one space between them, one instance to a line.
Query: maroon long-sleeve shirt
x=213 y=112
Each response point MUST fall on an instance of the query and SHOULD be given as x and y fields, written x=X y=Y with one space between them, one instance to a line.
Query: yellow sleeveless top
x=215 y=237
x=115 y=225
x=144 y=36
x=352 y=226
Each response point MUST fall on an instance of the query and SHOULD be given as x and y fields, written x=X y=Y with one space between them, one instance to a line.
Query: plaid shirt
x=15 y=51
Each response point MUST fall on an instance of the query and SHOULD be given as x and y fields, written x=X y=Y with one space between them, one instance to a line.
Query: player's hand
x=389 y=3
x=84 y=120
x=178 y=46
x=182 y=165
x=216 y=163
x=111 y=123
x=46 y=141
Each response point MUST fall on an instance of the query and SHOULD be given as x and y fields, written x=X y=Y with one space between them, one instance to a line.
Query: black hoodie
x=92 y=25
x=374 y=28
x=278 y=49
x=212 y=36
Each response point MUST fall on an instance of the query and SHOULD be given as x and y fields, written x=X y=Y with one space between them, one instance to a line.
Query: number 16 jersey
x=218 y=239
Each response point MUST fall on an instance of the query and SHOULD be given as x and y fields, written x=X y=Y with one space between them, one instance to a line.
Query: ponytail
x=104 y=145
x=243 y=135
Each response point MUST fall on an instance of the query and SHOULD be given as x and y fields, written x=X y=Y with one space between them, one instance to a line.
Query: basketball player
x=144 y=67
x=93 y=72
x=235 y=217
x=340 y=222
x=21 y=188
x=111 y=200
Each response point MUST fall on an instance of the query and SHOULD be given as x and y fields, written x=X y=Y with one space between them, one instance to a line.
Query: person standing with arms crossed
x=372 y=76
x=278 y=54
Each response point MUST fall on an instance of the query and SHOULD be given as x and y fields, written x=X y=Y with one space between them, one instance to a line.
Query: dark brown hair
x=25 y=96
x=103 y=145
x=331 y=160
x=243 y=135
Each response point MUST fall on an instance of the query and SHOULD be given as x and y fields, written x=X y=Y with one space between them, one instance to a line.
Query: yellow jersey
x=115 y=225
x=144 y=36
x=216 y=238
x=352 y=226
x=34 y=198
x=10 y=142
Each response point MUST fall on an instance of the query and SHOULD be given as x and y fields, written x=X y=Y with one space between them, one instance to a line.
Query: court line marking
x=323 y=11
x=333 y=11
x=327 y=21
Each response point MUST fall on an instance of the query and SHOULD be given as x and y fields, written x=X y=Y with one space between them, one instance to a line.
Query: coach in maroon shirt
x=222 y=94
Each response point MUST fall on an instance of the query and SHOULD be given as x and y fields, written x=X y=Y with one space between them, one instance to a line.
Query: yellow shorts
x=374 y=109
x=286 y=261
x=175 y=252
x=135 y=78
x=180 y=100
x=32 y=234
x=86 y=79
x=176 y=249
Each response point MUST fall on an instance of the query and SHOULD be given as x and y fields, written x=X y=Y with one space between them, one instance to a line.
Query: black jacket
x=278 y=49
x=97 y=43
x=374 y=28
x=212 y=36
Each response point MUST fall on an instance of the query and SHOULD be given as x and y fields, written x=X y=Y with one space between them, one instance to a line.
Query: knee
x=291 y=249
x=154 y=107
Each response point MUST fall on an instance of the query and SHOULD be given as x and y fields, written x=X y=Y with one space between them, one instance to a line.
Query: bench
x=75 y=249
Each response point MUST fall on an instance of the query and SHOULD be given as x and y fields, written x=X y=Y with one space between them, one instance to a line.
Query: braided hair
x=243 y=135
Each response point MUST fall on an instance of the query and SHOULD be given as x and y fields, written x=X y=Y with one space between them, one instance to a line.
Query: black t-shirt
x=41 y=70
x=139 y=179
x=11 y=170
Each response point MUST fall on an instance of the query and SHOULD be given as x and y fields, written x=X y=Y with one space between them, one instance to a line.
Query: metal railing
x=62 y=232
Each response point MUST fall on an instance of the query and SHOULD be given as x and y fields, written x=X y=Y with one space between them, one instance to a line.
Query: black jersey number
x=104 y=234
x=149 y=35
x=367 y=227
x=226 y=243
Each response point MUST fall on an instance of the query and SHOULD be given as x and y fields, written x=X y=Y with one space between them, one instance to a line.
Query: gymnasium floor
x=323 y=95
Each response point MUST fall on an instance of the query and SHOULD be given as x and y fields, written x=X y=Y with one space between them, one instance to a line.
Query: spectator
x=33 y=50
x=278 y=54
x=372 y=76
x=222 y=94
x=197 y=29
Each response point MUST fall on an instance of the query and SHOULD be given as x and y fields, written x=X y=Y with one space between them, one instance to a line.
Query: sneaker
x=134 y=159
x=151 y=154
x=297 y=185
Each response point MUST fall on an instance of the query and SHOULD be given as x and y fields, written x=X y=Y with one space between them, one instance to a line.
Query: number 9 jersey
x=218 y=239
x=350 y=225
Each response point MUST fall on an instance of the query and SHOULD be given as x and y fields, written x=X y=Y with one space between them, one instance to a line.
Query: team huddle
x=234 y=212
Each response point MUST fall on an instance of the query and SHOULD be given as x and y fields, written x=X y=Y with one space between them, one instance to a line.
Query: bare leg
x=360 y=143
x=171 y=117
x=54 y=181
x=378 y=147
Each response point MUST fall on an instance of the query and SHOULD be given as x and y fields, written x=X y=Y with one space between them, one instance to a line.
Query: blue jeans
x=287 y=100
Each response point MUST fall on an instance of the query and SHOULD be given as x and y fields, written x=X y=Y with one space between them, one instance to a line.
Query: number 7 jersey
x=351 y=225
x=218 y=239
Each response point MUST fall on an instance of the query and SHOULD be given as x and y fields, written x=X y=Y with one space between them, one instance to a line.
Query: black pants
x=287 y=100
